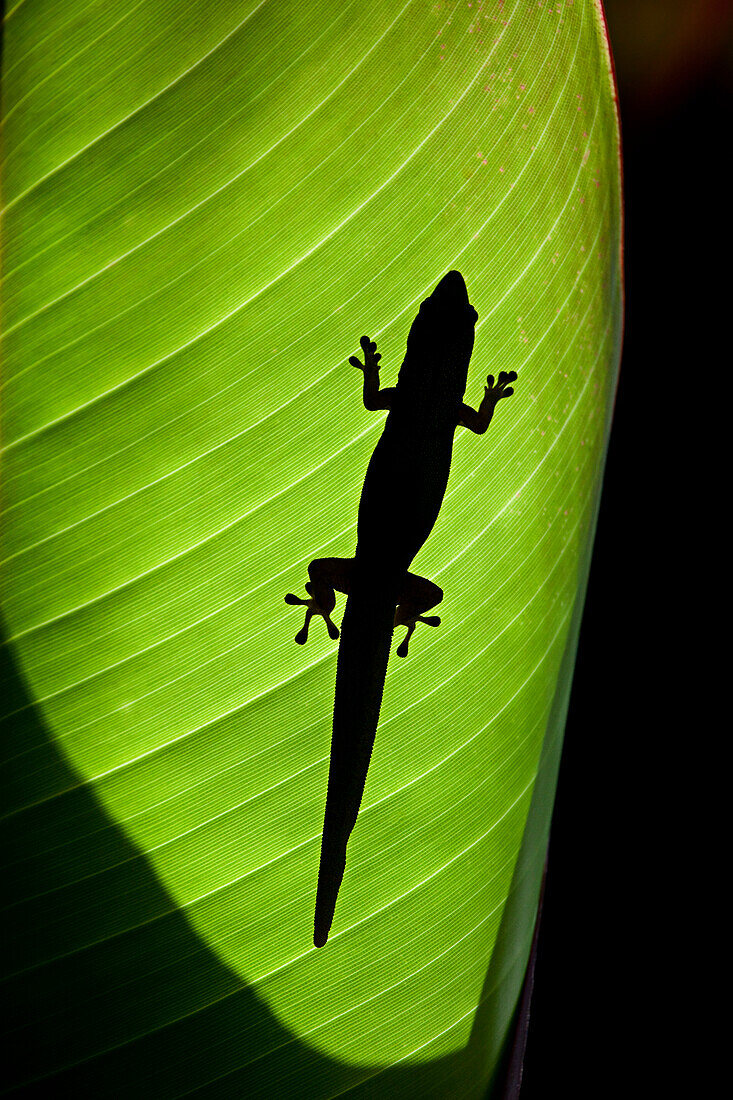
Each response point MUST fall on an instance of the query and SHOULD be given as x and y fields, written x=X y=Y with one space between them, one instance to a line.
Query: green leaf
x=204 y=210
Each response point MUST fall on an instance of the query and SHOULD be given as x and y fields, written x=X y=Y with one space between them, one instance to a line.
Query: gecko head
x=451 y=296
x=446 y=315
x=442 y=334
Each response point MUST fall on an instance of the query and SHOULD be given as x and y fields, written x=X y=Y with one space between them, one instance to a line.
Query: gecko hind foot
x=312 y=608
x=429 y=620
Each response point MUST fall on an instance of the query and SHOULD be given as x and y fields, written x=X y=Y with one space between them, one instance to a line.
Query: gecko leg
x=327 y=575
x=418 y=595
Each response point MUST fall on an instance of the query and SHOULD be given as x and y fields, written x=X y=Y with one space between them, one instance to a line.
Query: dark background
x=612 y=1013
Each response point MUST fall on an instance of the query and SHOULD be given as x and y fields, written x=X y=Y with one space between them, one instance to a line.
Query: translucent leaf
x=204 y=210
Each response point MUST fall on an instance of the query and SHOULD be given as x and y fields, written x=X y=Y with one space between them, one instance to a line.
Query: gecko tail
x=333 y=865
x=366 y=636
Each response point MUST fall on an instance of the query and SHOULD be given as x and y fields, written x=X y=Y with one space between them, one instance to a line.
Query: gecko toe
x=429 y=620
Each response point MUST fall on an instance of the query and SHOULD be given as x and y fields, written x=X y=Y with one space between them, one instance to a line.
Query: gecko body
x=403 y=491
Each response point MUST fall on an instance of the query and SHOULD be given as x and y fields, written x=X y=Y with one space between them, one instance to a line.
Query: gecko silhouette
x=403 y=490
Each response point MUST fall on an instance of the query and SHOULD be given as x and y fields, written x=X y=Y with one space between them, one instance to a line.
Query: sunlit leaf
x=205 y=207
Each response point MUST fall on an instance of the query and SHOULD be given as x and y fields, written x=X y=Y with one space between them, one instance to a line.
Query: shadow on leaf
x=109 y=991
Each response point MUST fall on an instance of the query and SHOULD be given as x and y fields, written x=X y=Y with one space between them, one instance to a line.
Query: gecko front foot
x=312 y=608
